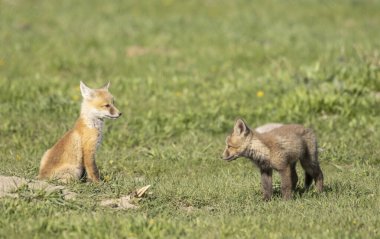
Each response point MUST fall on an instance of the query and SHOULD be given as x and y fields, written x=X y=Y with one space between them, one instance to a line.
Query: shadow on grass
x=301 y=192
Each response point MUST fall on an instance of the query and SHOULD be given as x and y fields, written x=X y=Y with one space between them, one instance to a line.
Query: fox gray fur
x=278 y=147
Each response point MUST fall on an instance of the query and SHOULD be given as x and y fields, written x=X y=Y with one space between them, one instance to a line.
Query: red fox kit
x=75 y=151
x=279 y=148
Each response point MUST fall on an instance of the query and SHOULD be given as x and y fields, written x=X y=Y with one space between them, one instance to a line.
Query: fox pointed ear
x=85 y=90
x=106 y=86
x=241 y=127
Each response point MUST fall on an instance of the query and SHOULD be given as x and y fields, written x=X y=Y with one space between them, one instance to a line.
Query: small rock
x=119 y=203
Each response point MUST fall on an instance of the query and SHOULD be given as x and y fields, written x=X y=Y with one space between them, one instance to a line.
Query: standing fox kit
x=75 y=151
x=278 y=148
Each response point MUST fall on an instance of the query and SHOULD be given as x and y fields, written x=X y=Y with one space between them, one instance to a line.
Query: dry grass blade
x=140 y=192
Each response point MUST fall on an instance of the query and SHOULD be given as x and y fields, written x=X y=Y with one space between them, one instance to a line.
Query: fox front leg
x=286 y=182
x=266 y=183
x=90 y=166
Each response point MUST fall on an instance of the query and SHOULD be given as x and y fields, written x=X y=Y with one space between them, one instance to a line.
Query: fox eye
x=107 y=105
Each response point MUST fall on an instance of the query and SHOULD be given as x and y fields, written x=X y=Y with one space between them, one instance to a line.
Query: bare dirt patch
x=126 y=202
x=10 y=184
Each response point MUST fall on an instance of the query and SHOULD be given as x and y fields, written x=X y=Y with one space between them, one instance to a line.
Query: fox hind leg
x=294 y=175
x=311 y=166
x=318 y=178
x=314 y=172
x=68 y=173
x=308 y=180
x=311 y=171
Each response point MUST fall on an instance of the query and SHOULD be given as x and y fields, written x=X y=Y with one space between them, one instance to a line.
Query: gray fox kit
x=278 y=147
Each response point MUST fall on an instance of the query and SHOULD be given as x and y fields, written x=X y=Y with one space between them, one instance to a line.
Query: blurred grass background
x=182 y=72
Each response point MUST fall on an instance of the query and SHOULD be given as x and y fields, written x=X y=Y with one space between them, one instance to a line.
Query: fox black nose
x=120 y=114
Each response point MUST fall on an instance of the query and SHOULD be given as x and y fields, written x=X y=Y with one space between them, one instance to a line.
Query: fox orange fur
x=74 y=153
x=278 y=147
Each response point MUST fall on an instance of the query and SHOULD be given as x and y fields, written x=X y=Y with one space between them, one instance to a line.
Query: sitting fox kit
x=277 y=147
x=75 y=151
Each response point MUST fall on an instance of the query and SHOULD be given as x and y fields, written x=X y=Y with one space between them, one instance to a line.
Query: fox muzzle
x=231 y=158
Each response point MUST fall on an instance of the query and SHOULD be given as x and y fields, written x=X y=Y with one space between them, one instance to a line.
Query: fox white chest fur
x=96 y=124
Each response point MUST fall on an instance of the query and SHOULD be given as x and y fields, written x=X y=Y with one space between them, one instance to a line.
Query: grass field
x=182 y=72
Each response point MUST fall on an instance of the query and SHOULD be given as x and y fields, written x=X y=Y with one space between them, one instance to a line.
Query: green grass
x=198 y=66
